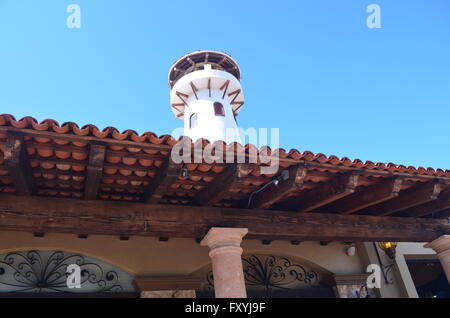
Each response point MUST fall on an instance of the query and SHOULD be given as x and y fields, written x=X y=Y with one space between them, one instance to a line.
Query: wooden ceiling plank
x=339 y=187
x=369 y=196
x=274 y=193
x=417 y=195
x=94 y=170
x=218 y=188
x=102 y=217
x=18 y=164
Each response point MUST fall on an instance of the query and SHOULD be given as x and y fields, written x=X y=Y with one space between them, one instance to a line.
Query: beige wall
x=147 y=256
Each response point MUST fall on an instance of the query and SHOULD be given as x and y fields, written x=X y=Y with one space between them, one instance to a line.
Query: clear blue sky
x=311 y=68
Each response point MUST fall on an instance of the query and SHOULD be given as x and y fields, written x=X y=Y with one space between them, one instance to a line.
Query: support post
x=441 y=246
x=225 y=253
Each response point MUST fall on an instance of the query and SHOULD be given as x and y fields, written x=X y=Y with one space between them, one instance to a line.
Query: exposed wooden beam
x=432 y=207
x=167 y=174
x=443 y=214
x=339 y=187
x=190 y=61
x=18 y=164
x=274 y=193
x=101 y=217
x=218 y=188
x=222 y=60
x=94 y=170
x=369 y=196
x=407 y=199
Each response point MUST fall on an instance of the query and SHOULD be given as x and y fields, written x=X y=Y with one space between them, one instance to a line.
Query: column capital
x=224 y=236
x=440 y=245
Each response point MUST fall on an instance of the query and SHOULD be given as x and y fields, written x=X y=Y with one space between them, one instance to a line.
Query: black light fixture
x=388 y=248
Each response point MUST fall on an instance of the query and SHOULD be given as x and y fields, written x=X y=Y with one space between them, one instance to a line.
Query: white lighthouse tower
x=206 y=93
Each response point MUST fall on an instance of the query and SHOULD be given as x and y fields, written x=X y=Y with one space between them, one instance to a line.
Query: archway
x=276 y=276
x=34 y=273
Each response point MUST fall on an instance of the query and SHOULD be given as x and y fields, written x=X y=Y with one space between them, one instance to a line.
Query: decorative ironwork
x=46 y=272
x=386 y=269
x=271 y=273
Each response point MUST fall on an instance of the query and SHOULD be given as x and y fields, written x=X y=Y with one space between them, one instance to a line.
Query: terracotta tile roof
x=59 y=158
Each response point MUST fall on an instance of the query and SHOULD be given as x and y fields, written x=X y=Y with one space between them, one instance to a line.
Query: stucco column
x=225 y=253
x=441 y=246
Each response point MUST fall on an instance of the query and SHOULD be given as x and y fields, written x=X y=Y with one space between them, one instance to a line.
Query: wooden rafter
x=217 y=189
x=412 y=197
x=443 y=214
x=18 y=164
x=339 y=187
x=274 y=193
x=190 y=60
x=168 y=173
x=222 y=60
x=34 y=214
x=369 y=196
x=94 y=170
x=432 y=207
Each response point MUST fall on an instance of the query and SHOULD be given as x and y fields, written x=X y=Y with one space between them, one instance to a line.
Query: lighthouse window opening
x=193 y=121
x=218 y=109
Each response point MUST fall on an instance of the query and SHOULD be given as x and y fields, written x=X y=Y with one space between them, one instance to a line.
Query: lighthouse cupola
x=206 y=94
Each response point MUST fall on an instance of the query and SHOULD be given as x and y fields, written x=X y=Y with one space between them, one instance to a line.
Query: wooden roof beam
x=94 y=170
x=62 y=215
x=339 y=187
x=18 y=164
x=167 y=174
x=369 y=196
x=443 y=214
x=274 y=193
x=218 y=188
x=412 y=197
x=432 y=207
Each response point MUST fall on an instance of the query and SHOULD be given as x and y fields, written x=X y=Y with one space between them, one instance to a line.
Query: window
x=193 y=120
x=218 y=109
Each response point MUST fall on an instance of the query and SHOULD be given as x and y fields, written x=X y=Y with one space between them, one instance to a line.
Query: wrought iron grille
x=271 y=273
x=46 y=272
